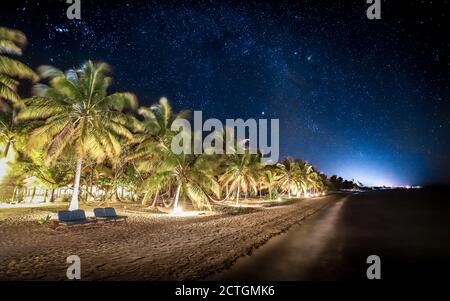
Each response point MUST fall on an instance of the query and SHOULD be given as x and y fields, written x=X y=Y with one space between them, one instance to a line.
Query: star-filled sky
x=365 y=99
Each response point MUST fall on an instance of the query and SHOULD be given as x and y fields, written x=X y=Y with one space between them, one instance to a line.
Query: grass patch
x=44 y=220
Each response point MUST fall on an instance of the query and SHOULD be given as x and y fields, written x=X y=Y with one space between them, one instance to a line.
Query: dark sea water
x=408 y=229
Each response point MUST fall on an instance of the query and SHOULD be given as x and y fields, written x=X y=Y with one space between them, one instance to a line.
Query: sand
x=148 y=247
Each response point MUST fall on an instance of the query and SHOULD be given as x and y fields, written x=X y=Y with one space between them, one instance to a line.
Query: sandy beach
x=149 y=247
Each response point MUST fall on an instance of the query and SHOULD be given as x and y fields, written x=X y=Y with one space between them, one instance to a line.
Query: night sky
x=364 y=99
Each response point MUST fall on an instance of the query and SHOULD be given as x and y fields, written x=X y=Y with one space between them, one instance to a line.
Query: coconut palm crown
x=78 y=116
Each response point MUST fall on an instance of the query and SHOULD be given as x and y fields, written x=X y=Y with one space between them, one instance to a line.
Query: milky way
x=365 y=99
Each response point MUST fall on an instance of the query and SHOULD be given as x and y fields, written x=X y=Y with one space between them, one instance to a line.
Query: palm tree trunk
x=45 y=195
x=91 y=183
x=177 y=197
x=270 y=192
x=52 y=195
x=8 y=145
x=32 y=196
x=117 y=194
x=5 y=153
x=145 y=198
x=76 y=186
x=14 y=194
x=155 y=199
x=237 y=193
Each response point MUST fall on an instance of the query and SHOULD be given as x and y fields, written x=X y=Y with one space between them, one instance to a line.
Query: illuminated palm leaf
x=12 y=43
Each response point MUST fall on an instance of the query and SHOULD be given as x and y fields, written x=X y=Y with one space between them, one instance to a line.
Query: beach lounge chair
x=75 y=217
x=108 y=214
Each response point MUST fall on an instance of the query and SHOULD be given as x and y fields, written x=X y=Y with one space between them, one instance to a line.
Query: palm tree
x=290 y=176
x=310 y=180
x=270 y=179
x=301 y=183
x=12 y=42
x=78 y=116
x=313 y=179
x=154 y=136
x=190 y=174
x=241 y=173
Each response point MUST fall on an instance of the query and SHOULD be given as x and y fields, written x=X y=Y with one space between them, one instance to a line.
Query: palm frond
x=49 y=72
x=8 y=93
x=197 y=195
x=9 y=47
x=14 y=36
x=121 y=101
x=14 y=68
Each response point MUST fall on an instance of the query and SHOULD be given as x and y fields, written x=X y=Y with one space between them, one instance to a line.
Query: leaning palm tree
x=12 y=42
x=78 y=116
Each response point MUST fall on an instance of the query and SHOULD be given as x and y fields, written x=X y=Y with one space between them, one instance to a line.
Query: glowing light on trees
x=4 y=163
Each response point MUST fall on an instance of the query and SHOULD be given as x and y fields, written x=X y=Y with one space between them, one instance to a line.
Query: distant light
x=61 y=29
